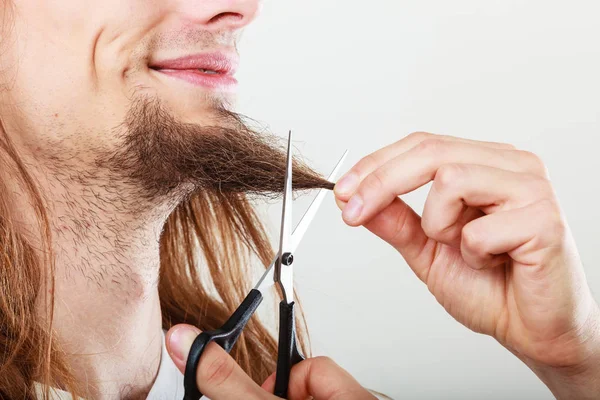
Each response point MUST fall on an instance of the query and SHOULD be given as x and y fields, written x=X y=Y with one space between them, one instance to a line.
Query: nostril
x=233 y=17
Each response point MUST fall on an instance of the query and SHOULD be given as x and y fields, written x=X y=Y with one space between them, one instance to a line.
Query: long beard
x=164 y=157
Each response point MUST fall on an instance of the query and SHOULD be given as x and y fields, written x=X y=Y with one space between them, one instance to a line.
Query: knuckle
x=420 y=136
x=323 y=361
x=472 y=239
x=447 y=177
x=366 y=164
x=218 y=372
x=507 y=146
x=540 y=187
x=430 y=147
x=321 y=366
x=555 y=225
x=533 y=163
x=375 y=182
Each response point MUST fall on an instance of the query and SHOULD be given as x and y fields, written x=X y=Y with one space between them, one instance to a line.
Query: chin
x=189 y=103
x=207 y=110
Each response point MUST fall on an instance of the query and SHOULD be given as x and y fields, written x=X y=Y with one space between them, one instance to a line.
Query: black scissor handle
x=288 y=352
x=225 y=336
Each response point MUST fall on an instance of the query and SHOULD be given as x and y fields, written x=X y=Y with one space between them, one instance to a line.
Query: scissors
x=280 y=273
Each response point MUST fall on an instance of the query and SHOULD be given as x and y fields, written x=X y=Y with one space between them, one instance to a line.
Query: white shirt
x=167 y=386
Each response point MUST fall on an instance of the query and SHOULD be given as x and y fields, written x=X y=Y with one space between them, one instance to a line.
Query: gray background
x=359 y=75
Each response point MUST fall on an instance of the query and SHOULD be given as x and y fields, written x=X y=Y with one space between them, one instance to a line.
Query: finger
x=346 y=186
x=178 y=341
x=323 y=379
x=218 y=375
x=522 y=233
x=419 y=165
x=269 y=384
x=401 y=227
x=459 y=191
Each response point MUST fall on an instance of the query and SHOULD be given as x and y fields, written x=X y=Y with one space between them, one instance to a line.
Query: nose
x=220 y=14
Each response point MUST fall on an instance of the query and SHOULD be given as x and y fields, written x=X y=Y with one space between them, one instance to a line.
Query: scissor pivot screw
x=287 y=259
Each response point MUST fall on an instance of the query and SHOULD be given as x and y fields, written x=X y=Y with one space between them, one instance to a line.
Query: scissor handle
x=225 y=336
x=288 y=353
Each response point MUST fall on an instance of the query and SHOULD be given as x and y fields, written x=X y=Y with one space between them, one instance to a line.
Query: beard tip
x=230 y=155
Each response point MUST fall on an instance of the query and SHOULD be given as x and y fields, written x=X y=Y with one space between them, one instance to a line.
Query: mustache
x=190 y=40
x=162 y=156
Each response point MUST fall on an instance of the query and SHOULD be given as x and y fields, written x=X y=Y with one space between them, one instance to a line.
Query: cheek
x=47 y=63
x=48 y=54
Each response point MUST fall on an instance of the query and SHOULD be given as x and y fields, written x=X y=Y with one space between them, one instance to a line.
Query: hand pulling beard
x=166 y=157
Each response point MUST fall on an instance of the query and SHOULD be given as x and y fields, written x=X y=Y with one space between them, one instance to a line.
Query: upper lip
x=221 y=62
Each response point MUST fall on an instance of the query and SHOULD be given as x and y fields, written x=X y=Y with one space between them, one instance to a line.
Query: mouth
x=209 y=70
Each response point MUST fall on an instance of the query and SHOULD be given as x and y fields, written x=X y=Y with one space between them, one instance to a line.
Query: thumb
x=401 y=227
x=218 y=375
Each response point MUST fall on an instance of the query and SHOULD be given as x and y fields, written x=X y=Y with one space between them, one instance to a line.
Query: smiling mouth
x=210 y=70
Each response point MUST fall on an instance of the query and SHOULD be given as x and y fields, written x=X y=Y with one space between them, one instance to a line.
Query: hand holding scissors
x=281 y=273
x=221 y=378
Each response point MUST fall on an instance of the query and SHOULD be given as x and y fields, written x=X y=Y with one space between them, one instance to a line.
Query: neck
x=107 y=315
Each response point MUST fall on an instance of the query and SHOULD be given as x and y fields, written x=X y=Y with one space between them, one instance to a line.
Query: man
x=119 y=159
x=121 y=171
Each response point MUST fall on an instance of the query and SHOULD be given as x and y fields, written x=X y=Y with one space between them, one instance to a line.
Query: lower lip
x=215 y=81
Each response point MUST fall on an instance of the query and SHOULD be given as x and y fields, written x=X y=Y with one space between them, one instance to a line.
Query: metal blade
x=284 y=273
x=314 y=206
x=267 y=280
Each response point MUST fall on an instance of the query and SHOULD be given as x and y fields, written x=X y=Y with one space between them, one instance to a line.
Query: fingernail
x=181 y=341
x=347 y=185
x=353 y=209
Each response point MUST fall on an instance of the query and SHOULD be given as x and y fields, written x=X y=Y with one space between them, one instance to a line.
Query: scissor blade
x=285 y=240
x=309 y=215
x=267 y=280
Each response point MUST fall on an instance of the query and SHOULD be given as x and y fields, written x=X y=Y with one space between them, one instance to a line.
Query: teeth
x=207 y=71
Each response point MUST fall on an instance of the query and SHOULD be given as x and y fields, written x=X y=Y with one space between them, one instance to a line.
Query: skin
x=69 y=71
x=492 y=246
x=219 y=377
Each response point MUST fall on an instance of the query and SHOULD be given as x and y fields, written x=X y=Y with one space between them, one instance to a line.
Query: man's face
x=71 y=69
